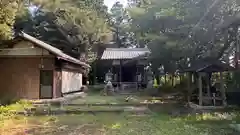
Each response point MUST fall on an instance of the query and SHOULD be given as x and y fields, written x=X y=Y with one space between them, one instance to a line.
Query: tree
x=75 y=26
x=120 y=24
x=8 y=12
x=179 y=30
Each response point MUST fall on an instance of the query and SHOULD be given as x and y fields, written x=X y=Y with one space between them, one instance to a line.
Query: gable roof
x=209 y=66
x=53 y=50
x=124 y=53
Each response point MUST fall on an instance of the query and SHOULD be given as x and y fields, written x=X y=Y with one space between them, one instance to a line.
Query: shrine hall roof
x=124 y=53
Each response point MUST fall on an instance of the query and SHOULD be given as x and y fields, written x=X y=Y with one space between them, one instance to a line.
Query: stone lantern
x=108 y=76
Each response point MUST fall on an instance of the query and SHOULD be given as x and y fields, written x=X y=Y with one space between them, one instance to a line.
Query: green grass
x=118 y=99
x=98 y=99
x=156 y=123
x=124 y=124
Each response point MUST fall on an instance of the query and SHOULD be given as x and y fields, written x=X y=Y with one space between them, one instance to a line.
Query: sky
x=109 y=3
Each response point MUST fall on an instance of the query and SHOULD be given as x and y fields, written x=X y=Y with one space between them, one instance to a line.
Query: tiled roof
x=124 y=53
x=53 y=50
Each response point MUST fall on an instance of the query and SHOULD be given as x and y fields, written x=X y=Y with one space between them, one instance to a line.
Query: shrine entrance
x=127 y=66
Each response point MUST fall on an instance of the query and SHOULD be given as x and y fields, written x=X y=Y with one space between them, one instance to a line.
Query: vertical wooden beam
x=223 y=90
x=136 y=76
x=54 y=84
x=189 y=75
x=165 y=78
x=120 y=76
x=208 y=85
x=200 y=89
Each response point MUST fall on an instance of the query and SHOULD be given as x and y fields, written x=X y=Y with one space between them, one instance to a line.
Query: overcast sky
x=109 y=3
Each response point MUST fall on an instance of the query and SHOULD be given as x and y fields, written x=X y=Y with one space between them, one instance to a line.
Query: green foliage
x=8 y=11
x=76 y=27
x=176 y=30
x=9 y=111
x=166 y=88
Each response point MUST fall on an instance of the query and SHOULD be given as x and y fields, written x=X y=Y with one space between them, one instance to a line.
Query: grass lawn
x=112 y=123
x=119 y=99
x=124 y=124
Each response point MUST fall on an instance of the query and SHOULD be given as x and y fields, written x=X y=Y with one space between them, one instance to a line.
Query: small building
x=201 y=90
x=127 y=65
x=32 y=69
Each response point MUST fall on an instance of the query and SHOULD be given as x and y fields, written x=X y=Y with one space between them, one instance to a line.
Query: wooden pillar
x=165 y=78
x=172 y=79
x=223 y=90
x=120 y=75
x=136 y=76
x=200 y=89
x=208 y=85
x=189 y=75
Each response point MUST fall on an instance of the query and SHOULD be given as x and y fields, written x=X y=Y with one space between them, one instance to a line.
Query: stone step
x=117 y=104
x=59 y=111
x=56 y=101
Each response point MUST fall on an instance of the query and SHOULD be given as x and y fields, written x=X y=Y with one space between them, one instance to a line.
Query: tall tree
x=120 y=24
x=76 y=26
x=179 y=30
x=8 y=13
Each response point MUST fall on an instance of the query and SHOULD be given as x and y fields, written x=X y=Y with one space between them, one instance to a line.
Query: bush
x=166 y=88
x=9 y=111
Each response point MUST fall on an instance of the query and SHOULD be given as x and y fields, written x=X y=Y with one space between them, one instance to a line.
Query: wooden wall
x=20 y=76
x=57 y=84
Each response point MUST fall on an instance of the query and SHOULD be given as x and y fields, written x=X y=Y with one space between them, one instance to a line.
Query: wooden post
x=200 y=89
x=189 y=87
x=136 y=76
x=222 y=89
x=165 y=78
x=120 y=76
x=214 y=99
x=208 y=85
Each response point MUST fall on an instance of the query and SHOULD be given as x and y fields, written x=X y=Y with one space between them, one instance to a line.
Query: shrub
x=166 y=88
x=9 y=111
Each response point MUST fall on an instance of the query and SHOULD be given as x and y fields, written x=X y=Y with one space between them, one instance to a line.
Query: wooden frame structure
x=200 y=69
x=127 y=59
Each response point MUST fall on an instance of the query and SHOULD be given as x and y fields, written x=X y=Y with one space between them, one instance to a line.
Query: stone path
x=235 y=127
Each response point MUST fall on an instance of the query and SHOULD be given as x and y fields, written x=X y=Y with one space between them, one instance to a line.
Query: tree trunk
x=94 y=72
x=165 y=78
x=237 y=51
x=223 y=90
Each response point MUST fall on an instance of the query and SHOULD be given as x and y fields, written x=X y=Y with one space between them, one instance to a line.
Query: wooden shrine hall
x=127 y=66
x=202 y=91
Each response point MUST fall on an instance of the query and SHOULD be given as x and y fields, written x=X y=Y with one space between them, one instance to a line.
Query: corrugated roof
x=124 y=53
x=53 y=50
